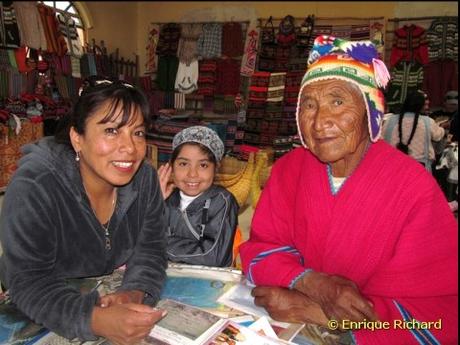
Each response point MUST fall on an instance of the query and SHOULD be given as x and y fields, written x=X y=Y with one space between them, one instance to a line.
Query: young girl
x=202 y=217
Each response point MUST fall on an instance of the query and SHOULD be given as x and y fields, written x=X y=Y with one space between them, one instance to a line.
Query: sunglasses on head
x=97 y=82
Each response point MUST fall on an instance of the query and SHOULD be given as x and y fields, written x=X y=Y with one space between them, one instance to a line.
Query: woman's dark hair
x=203 y=149
x=94 y=93
x=414 y=103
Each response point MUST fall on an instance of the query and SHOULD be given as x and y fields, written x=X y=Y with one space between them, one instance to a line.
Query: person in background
x=348 y=228
x=413 y=133
x=202 y=217
x=81 y=204
x=446 y=118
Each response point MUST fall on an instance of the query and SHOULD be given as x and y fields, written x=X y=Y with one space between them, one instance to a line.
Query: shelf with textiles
x=193 y=82
x=283 y=49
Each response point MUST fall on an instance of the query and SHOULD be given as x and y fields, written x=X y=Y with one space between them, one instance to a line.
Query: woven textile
x=30 y=25
x=188 y=50
x=248 y=63
x=232 y=39
x=207 y=77
x=227 y=77
x=152 y=42
x=210 y=42
x=168 y=41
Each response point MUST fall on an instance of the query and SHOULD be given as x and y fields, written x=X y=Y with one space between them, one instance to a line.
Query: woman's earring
x=77 y=156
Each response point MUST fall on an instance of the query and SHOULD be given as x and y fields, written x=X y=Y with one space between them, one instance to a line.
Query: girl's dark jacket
x=203 y=233
x=49 y=234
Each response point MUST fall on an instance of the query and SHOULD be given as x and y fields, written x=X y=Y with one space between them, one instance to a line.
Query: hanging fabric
x=248 y=62
x=30 y=25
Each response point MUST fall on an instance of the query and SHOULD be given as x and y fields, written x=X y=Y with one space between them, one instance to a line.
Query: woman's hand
x=164 y=175
x=125 y=324
x=122 y=297
x=288 y=305
x=338 y=297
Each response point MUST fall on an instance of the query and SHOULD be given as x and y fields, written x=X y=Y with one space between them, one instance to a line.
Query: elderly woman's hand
x=338 y=297
x=164 y=175
x=288 y=305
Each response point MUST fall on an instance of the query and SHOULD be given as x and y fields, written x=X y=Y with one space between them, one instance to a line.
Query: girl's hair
x=202 y=148
x=93 y=94
x=414 y=103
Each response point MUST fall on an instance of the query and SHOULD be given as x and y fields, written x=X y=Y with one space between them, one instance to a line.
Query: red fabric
x=227 y=77
x=389 y=229
x=409 y=44
x=438 y=78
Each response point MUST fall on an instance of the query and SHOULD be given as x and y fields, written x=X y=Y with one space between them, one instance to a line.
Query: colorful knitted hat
x=201 y=135
x=353 y=61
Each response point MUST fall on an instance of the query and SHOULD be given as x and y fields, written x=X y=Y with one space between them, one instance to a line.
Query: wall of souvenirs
x=240 y=78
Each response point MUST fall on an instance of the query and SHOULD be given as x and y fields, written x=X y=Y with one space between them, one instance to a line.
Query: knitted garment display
x=167 y=71
x=227 y=77
x=187 y=77
x=210 y=42
x=169 y=39
x=9 y=31
x=406 y=77
x=188 y=50
x=356 y=62
x=30 y=25
x=207 y=77
x=410 y=45
x=442 y=39
x=232 y=40
x=68 y=29
x=55 y=41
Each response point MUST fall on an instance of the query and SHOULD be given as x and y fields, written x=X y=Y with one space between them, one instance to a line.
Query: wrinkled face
x=333 y=120
x=109 y=154
x=193 y=172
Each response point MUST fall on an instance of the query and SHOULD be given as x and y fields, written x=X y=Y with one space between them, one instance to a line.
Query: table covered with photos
x=206 y=305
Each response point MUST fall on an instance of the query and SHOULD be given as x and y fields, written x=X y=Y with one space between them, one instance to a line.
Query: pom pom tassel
x=382 y=76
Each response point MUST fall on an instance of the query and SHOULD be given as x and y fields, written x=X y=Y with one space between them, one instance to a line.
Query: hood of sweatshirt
x=46 y=156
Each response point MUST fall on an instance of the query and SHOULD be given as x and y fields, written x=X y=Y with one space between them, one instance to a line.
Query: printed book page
x=201 y=287
x=185 y=325
x=239 y=297
x=235 y=334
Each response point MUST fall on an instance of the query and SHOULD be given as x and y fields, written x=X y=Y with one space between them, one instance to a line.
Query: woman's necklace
x=105 y=227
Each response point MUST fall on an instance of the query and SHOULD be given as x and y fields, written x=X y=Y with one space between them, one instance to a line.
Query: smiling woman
x=80 y=205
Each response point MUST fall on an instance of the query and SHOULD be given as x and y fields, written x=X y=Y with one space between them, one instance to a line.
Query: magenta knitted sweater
x=389 y=229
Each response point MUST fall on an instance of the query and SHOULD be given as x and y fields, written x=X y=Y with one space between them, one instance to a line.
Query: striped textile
x=422 y=336
x=263 y=255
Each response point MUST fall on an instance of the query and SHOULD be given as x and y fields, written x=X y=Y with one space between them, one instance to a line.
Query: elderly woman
x=348 y=228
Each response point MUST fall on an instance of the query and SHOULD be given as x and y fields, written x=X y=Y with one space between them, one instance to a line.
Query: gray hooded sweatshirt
x=50 y=234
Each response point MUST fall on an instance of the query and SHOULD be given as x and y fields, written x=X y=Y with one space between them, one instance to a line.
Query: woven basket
x=261 y=163
x=240 y=183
